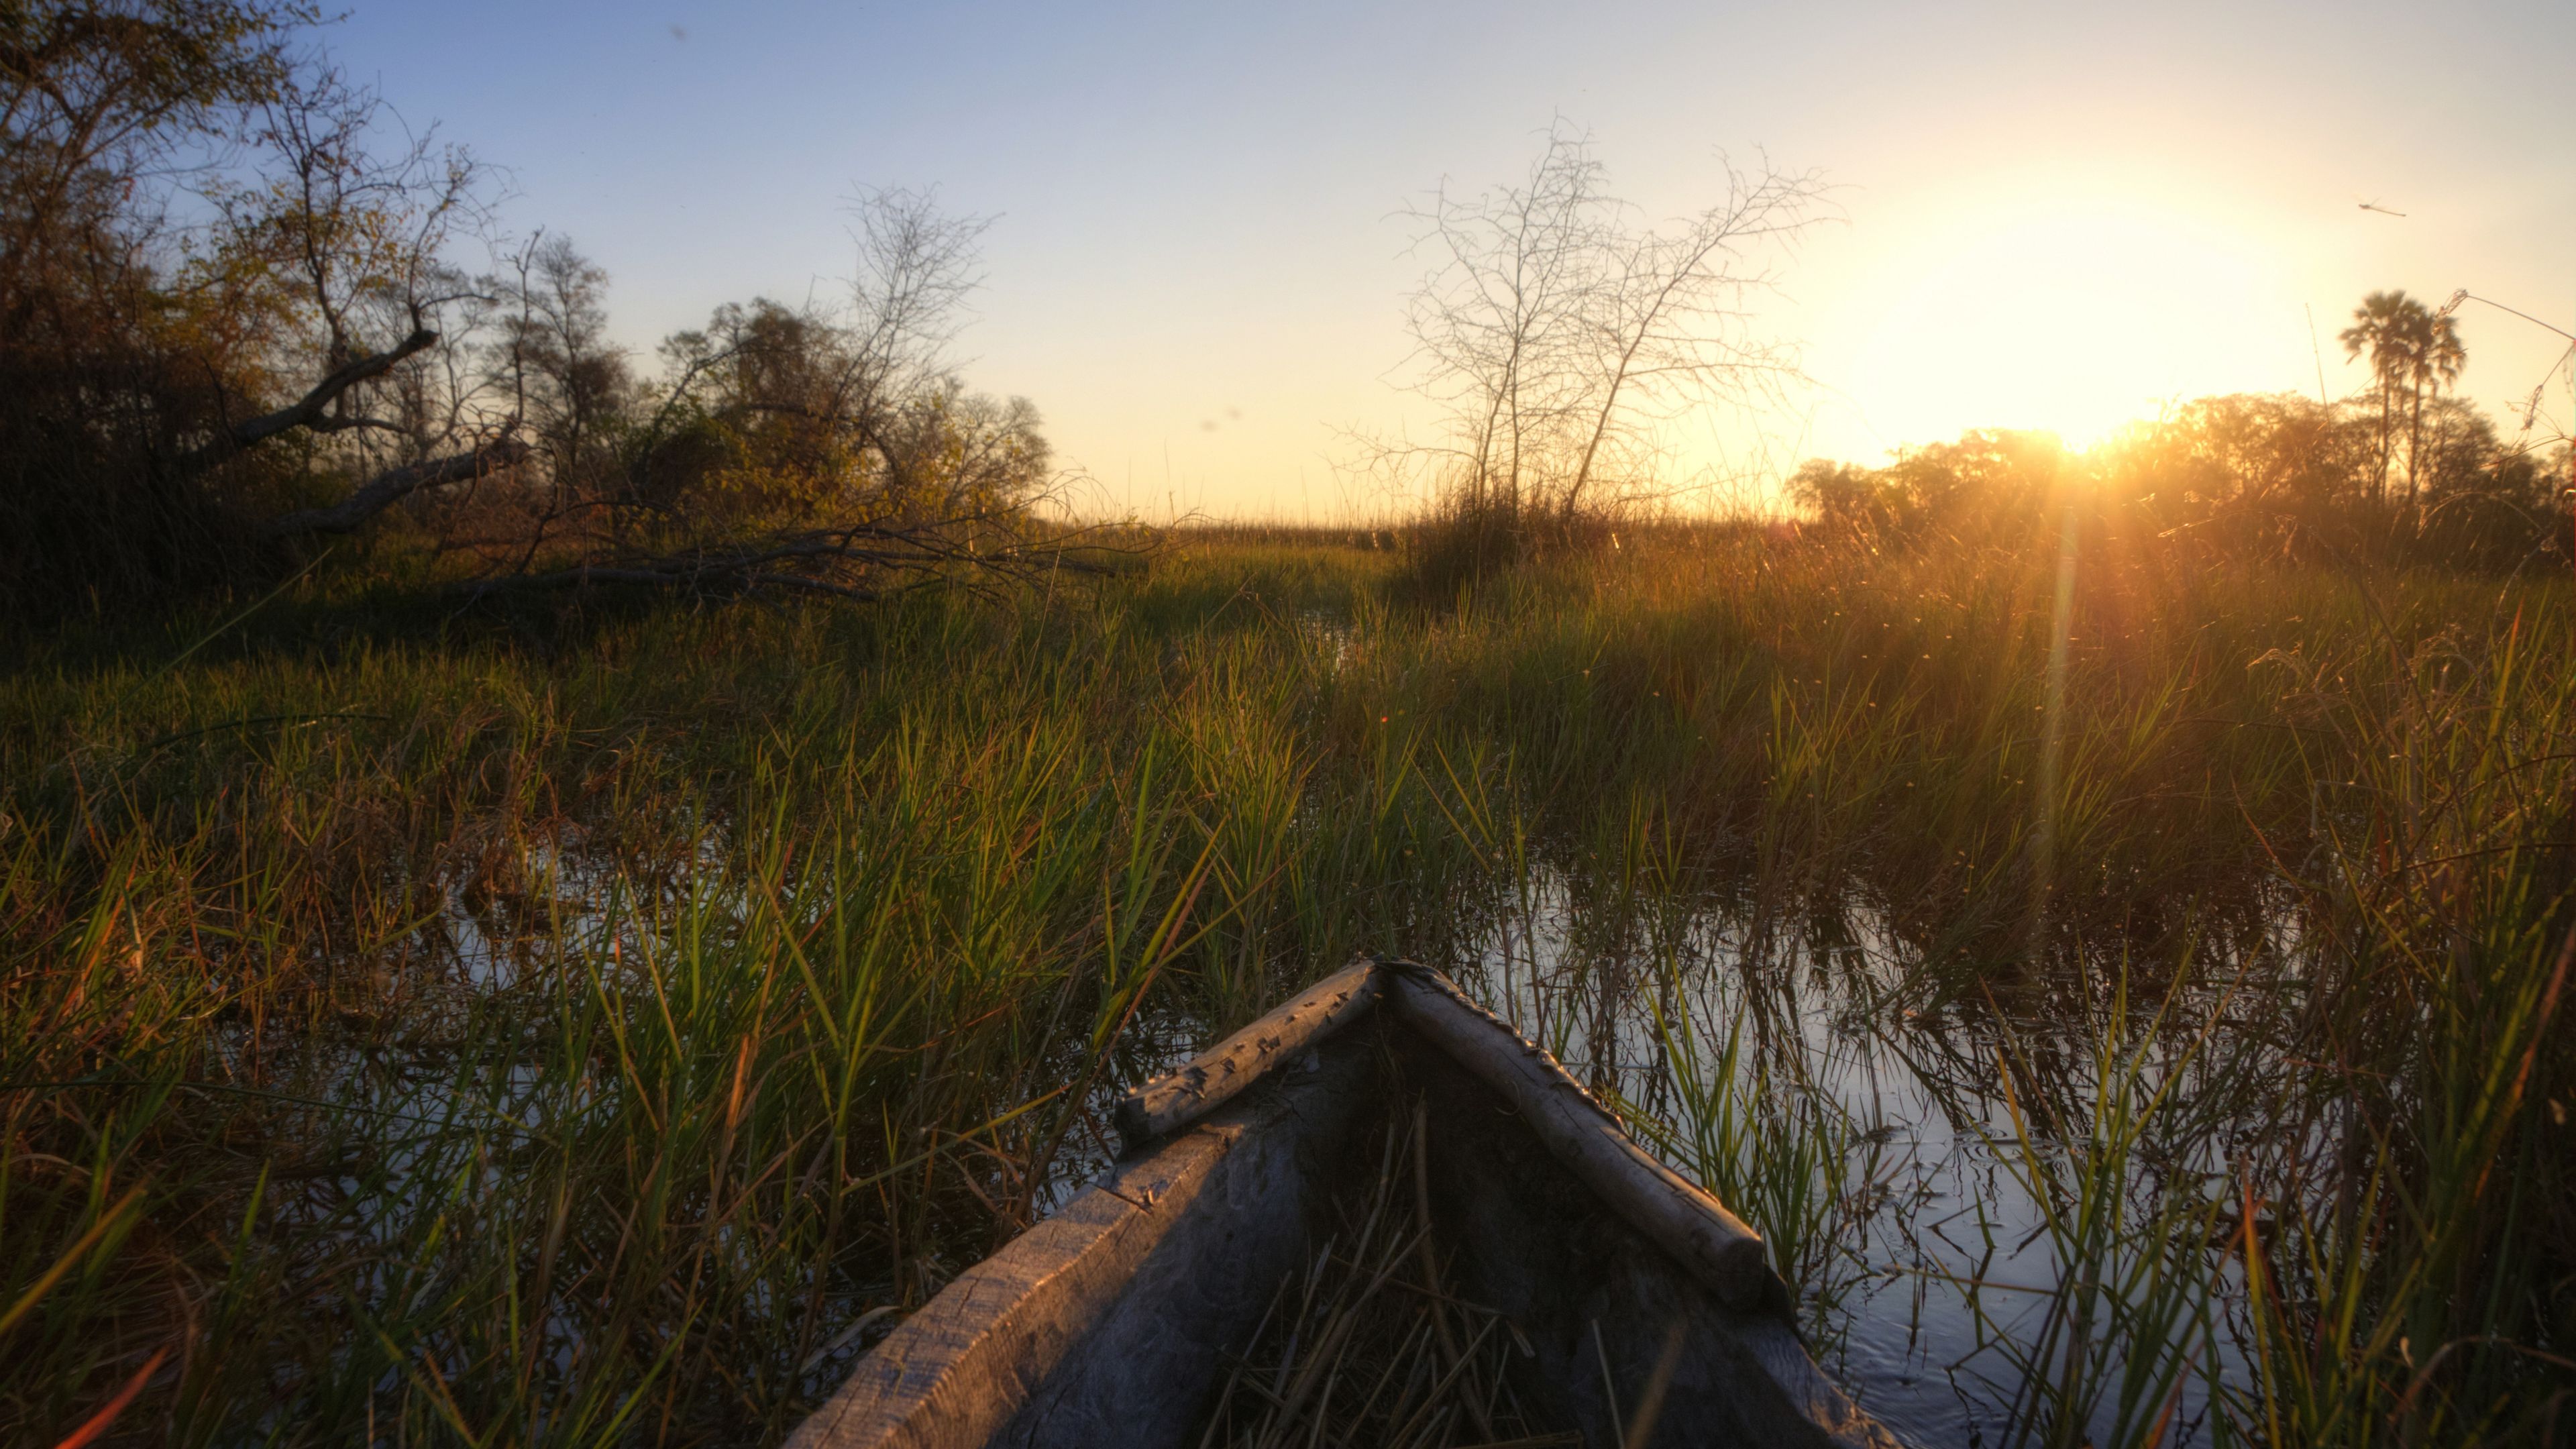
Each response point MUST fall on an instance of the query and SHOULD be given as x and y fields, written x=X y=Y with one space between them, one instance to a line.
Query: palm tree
x=2435 y=357
x=2385 y=326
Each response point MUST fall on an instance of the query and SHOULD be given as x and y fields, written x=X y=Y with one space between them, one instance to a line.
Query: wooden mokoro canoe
x=1112 y=1322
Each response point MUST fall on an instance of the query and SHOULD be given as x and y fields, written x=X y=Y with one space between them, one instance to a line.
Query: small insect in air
x=2383 y=211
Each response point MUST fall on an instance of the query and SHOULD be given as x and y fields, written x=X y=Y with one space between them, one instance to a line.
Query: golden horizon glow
x=2075 y=319
x=2058 y=218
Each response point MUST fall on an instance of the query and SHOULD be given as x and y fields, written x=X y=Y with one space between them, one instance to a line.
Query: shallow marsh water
x=1874 y=1135
x=1813 y=1075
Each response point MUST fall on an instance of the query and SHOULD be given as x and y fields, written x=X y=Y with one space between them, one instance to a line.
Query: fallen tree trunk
x=861 y=562
x=394 y=485
x=311 y=410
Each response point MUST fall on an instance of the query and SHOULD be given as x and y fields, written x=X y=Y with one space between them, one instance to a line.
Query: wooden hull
x=1113 y=1322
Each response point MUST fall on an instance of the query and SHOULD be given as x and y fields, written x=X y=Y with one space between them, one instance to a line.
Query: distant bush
x=2245 y=476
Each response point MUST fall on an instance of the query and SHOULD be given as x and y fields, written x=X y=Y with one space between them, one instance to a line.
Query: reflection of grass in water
x=867 y=898
x=1371 y=1344
x=2131 y=1312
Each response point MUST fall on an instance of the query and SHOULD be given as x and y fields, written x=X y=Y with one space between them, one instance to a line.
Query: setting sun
x=2075 y=320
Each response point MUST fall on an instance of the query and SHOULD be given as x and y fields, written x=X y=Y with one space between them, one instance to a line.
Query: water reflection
x=1915 y=1154
x=1916 y=1150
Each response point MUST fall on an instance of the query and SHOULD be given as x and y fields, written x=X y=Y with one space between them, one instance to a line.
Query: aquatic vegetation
x=600 y=1028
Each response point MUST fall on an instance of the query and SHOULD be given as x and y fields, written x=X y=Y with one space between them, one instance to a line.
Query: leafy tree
x=95 y=98
x=2383 y=327
x=233 y=320
x=216 y=276
x=2435 y=358
x=1849 y=502
x=2487 y=503
x=2414 y=353
x=2257 y=477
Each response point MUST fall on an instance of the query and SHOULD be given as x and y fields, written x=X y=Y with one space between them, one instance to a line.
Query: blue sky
x=2052 y=215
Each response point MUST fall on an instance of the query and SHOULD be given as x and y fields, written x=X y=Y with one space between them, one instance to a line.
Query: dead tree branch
x=394 y=485
x=312 y=409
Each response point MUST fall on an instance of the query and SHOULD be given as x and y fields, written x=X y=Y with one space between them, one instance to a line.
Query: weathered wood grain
x=1176 y=1099
x=1103 y=1324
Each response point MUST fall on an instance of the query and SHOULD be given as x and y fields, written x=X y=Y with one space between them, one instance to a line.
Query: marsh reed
x=591 y=1029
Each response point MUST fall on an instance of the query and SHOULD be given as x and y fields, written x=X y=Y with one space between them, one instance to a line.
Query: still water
x=1919 y=1157
x=1953 y=1176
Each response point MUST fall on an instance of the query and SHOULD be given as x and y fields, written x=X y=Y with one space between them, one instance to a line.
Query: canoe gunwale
x=973 y=1368
x=1217 y=1075
x=1579 y=1130
x=1590 y=1141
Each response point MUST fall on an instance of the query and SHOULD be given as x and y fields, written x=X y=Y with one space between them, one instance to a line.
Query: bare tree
x=1500 y=321
x=351 y=239
x=1558 y=332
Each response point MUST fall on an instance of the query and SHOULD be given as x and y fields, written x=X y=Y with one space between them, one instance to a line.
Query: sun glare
x=2074 y=320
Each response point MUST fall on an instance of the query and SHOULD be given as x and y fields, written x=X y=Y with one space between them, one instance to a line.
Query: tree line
x=2402 y=473
x=243 y=312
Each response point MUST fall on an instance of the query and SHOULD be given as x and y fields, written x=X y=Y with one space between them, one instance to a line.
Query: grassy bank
x=602 y=1029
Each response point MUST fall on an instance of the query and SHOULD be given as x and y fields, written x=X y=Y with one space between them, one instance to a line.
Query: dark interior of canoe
x=1117 y=1320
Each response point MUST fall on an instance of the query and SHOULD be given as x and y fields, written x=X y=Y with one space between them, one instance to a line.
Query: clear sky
x=2053 y=215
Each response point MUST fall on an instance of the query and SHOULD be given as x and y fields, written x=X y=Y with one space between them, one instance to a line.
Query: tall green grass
x=600 y=1030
